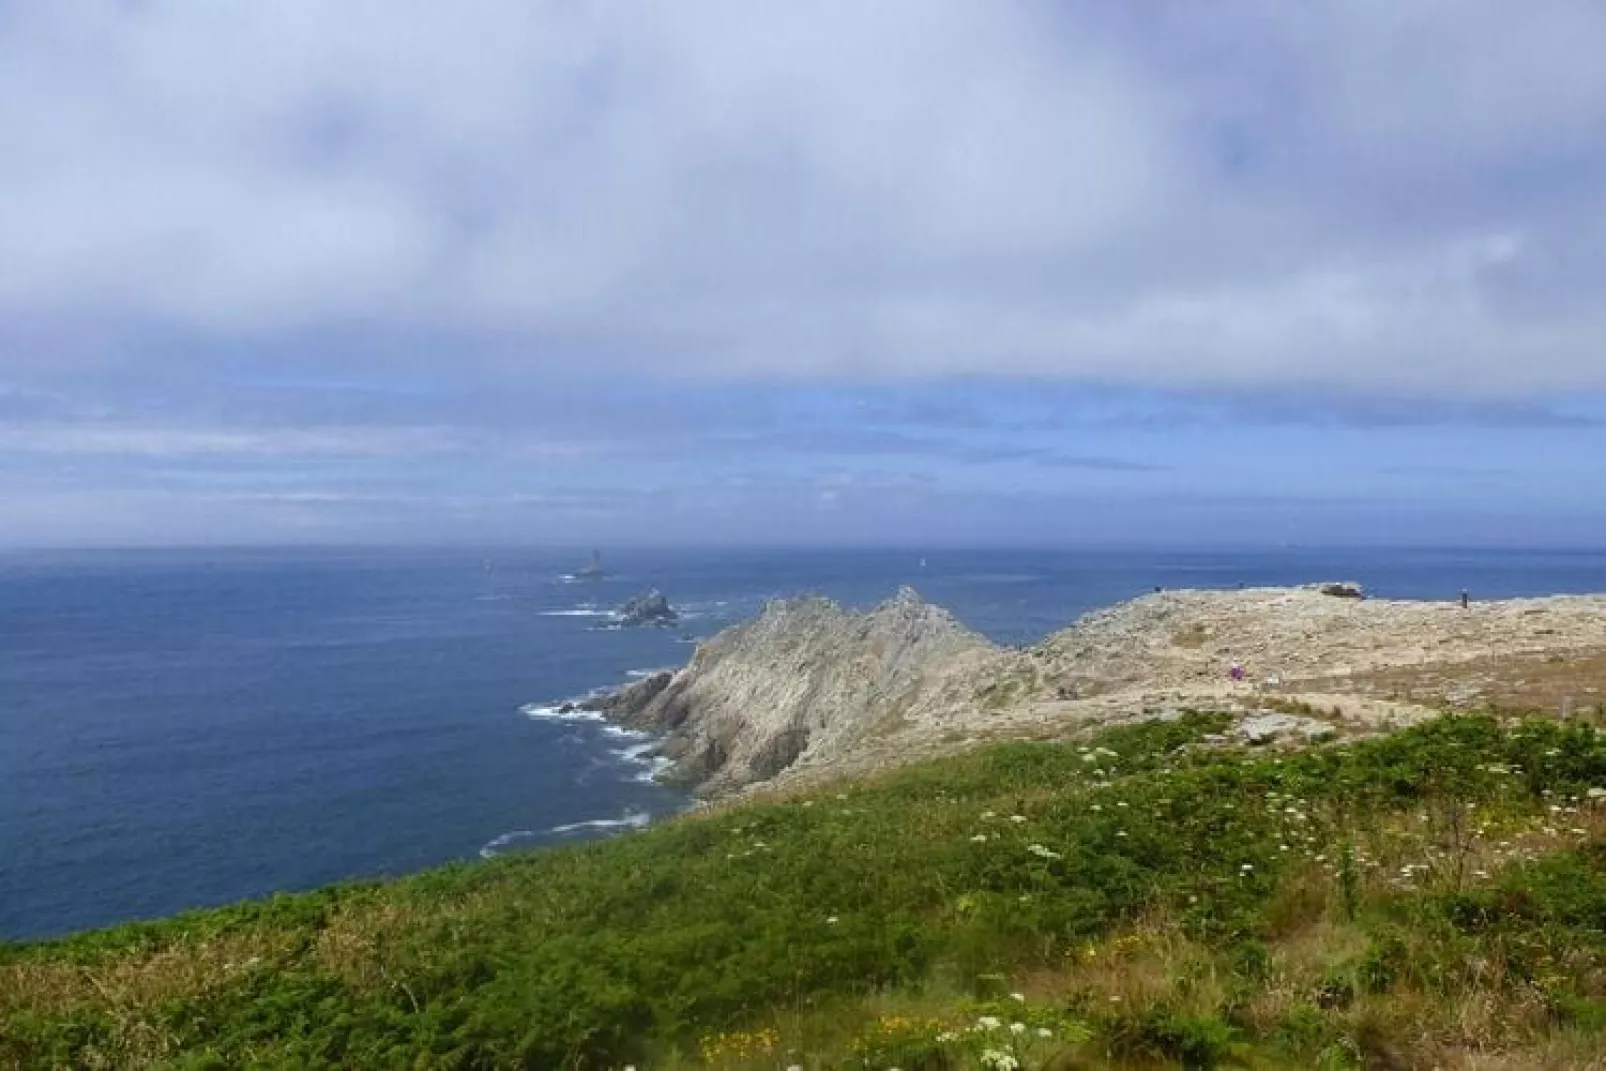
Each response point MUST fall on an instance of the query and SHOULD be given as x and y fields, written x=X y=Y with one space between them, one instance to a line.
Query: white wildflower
x=1017 y=1028
x=832 y=921
x=979 y=838
x=1017 y=818
x=1042 y=852
x=999 y=1060
x=1018 y=998
x=989 y=1022
x=1044 y=1032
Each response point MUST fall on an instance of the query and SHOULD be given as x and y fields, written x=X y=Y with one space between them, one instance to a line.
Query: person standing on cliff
x=1466 y=599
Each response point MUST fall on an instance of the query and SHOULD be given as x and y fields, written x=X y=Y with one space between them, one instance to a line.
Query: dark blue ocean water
x=180 y=729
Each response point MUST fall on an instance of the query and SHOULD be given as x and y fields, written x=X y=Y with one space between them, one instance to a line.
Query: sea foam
x=512 y=841
x=555 y=712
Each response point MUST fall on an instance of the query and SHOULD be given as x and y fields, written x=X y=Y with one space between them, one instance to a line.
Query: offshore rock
x=651 y=609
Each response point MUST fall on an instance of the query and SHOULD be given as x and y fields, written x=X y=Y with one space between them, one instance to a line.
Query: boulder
x=1341 y=589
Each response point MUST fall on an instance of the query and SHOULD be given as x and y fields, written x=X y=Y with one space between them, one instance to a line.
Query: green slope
x=1135 y=899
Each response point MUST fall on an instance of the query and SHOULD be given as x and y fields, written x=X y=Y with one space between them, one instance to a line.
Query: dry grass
x=55 y=988
x=1539 y=681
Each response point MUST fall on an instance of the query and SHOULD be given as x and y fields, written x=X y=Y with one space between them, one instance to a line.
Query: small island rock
x=650 y=609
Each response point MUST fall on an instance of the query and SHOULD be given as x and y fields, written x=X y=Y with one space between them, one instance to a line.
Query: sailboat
x=594 y=571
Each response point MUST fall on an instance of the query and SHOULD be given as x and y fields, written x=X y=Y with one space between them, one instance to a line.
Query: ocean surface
x=182 y=729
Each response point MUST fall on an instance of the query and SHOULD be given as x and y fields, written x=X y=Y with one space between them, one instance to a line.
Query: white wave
x=631 y=820
x=555 y=712
x=642 y=674
x=654 y=766
x=643 y=755
x=506 y=840
x=576 y=611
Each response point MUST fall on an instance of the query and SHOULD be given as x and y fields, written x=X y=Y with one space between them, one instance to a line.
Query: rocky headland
x=809 y=690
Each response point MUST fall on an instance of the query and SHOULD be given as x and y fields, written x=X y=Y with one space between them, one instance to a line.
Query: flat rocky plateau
x=808 y=690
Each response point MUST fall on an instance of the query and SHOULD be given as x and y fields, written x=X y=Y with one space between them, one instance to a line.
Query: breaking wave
x=530 y=838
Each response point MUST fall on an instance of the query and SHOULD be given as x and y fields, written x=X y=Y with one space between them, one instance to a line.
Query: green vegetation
x=1433 y=898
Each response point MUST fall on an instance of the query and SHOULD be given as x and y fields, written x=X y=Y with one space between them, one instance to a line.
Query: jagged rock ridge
x=799 y=685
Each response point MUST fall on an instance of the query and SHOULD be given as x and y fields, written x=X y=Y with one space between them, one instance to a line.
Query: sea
x=186 y=728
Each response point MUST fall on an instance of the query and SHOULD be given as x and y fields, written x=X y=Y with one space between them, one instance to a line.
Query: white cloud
x=1384 y=195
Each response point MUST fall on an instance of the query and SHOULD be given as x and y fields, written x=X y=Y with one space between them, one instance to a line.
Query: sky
x=930 y=272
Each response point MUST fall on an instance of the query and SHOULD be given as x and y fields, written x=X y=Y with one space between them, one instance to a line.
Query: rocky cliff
x=800 y=685
x=808 y=689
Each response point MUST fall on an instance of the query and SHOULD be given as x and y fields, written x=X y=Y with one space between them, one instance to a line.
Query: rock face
x=651 y=609
x=800 y=685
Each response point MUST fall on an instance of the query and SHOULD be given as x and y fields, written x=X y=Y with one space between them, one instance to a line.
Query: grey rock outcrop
x=649 y=610
x=1341 y=589
x=621 y=704
x=801 y=684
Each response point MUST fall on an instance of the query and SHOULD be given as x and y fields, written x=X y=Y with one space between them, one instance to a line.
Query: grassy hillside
x=1436 y=898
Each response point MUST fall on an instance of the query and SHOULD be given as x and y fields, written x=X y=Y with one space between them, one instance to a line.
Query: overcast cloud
x=382 y=230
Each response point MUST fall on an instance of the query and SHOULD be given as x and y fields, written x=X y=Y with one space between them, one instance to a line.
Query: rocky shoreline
x=808 y=690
